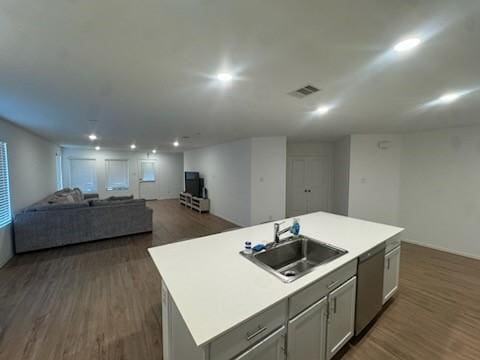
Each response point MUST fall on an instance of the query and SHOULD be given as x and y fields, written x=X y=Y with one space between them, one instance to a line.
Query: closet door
x=298 y=189
x=318 y=183
x=308 y=185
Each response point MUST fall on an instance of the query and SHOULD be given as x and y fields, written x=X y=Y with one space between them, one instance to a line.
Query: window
x=148 y=170
x=83 y=174
x=58 y=163
x=5 y=212
x=117 y=174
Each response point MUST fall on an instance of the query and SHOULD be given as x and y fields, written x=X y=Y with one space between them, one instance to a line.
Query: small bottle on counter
x=295 y=230
x=248 y=248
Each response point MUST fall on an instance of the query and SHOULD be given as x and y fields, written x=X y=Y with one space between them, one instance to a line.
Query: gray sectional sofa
x=70 y=217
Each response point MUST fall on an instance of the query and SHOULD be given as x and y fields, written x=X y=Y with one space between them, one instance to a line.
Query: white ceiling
x=143 y=69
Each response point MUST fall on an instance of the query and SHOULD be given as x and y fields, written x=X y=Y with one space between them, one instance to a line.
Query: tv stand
x=195 y=203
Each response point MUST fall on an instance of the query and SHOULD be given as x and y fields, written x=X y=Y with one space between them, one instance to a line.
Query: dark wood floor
x=99 y=300
x=435 y=315
x=102 y=300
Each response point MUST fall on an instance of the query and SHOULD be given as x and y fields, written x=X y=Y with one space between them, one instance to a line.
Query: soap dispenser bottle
x=295 y=230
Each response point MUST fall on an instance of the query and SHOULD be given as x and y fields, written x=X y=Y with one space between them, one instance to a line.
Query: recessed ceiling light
x=322 y=110
x=407 y=45
x=154 y=151
x=225 y=77
x=133 y=146
x=448 y=98
x=92 y=137
x=97 y=148
x=176 y=143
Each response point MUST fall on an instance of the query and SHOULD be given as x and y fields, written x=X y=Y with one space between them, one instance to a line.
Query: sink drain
x=290 y=273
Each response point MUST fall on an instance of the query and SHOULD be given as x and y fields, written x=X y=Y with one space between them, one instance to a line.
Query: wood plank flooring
x=435 y=315
x=101 y=300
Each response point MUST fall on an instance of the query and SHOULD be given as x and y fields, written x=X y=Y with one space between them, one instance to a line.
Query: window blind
x=5 y=210
x=117 y=174
x=83 y=174
x=148 y=171
x=58 y=165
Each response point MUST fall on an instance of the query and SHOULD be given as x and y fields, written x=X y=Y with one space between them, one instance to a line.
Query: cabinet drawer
x=311 y=294
x=392 y=243
x=248 y=333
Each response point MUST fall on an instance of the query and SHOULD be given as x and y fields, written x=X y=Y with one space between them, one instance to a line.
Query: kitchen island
x=219 y=305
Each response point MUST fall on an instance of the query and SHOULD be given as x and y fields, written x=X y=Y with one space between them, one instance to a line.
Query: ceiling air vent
x=304 y=91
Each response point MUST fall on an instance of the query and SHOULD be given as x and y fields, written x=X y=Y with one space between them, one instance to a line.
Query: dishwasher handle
x=372 y=252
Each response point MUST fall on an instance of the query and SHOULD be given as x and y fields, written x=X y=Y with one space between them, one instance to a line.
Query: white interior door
x=308 y=185
x=148 y=185
x=318 y=174
x=298 y=193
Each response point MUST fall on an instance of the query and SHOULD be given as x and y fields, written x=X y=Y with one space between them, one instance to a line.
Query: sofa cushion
x=62 y=191
x=62 y=198
x=77 y=194
x=90 y=196
x=58 y=206
x=107 y=202
x=66 y=195
x=116 y=198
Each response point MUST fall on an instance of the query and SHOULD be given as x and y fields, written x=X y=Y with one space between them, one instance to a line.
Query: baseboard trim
x=227 y=219
x=443 y=249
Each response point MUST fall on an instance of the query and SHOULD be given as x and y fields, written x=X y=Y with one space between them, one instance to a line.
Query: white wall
x=311 y=149
x=268 y=179
x=169 y=170
x=374 y=184
x=321 y=148
x=226 y=169
x=233 y=175
x=341 y=176
x=440 y=196
x=32 y=174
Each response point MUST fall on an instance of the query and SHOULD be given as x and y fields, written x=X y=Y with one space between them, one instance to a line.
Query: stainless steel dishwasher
x=369 y=286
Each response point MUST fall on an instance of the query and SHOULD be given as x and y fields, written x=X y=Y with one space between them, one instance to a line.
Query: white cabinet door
x=341 y=316
x=391 y=274
x=307 y=333
x=271 y=348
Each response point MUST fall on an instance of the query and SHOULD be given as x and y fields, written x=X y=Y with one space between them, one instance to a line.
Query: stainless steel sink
x=294 y=257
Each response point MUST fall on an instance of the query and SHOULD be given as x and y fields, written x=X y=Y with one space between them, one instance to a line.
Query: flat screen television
x=191 y=175
x=193 y=184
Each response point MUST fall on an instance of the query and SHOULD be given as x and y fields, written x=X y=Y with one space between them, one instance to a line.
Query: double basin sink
x=294 y=257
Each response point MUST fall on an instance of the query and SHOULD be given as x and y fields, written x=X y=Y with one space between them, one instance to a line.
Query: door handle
x=332 y=284
x=260 y=330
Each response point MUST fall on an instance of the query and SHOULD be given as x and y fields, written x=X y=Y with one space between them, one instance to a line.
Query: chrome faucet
x=277 y=232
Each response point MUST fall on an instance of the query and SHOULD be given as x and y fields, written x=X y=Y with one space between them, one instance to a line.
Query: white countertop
x=215 y=288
